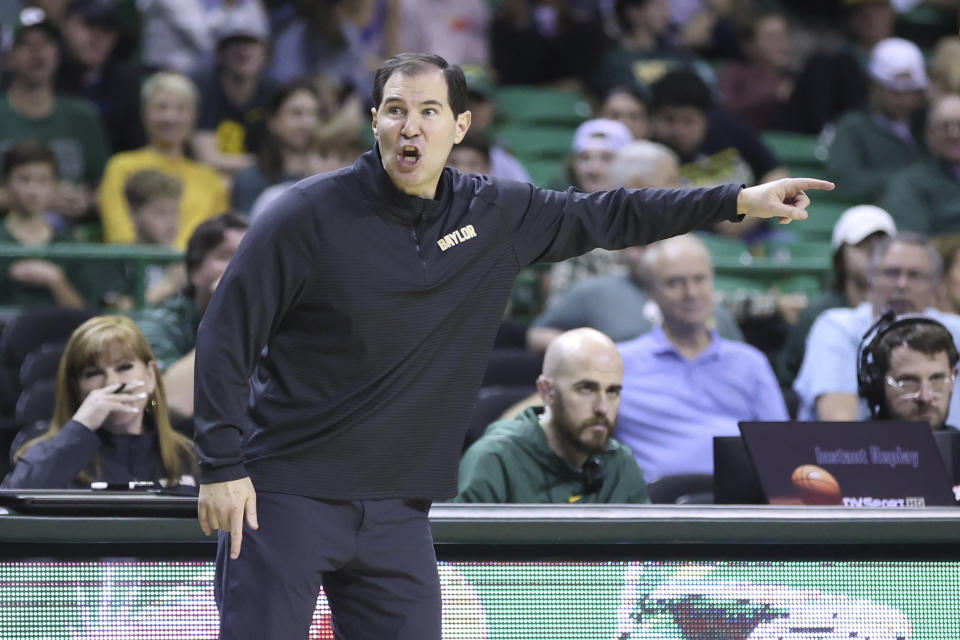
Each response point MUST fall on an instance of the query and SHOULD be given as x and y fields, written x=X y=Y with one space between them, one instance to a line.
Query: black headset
x=870 y=377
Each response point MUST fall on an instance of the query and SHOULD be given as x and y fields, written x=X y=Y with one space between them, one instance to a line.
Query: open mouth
x=409 y=156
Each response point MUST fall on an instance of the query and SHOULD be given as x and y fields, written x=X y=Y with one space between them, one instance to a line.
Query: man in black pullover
x=346 y=339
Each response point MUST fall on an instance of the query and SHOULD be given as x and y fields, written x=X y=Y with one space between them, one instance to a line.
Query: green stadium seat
x=801 y=154
x=725 y=249
x=544 y=172
x=536 y=142
x=784 y=252
x=819 y=225
x=541 y=105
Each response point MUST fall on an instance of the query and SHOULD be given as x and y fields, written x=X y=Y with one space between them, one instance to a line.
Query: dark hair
x=929 y=338
x=639 y=93
x=412 y=64
x=476 y=140
x=747 y=30
x=205 y=238
x=27 y=152
x=681 y=88
x=147 y=185
x=270 y=158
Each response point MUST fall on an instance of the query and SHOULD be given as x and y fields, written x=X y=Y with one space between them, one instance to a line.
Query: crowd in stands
x=141 y=138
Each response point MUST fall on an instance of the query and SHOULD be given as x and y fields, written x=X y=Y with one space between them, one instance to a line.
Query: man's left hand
x=784 y=199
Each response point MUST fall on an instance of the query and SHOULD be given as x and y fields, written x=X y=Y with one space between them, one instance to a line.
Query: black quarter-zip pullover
x=341 y=353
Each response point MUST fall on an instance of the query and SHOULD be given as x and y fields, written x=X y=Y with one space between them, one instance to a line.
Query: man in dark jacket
x=347 y=336
x=562 y=452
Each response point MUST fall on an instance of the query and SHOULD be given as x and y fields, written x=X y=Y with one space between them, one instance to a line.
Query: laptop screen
x=855 y=464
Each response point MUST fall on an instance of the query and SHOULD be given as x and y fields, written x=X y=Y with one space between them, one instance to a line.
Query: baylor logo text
x=460 y=235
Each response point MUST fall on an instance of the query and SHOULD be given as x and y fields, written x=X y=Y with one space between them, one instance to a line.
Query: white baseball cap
x=898 y=64
x=602 y=135
x=860 y=221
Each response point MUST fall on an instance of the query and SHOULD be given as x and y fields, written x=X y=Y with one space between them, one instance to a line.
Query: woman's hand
x=100 y=403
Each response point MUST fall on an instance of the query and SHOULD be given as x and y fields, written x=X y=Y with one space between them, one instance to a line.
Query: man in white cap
x=871 y=145
x=925 y=197
x=903 y=276
x=595 y=143
x=854 y=235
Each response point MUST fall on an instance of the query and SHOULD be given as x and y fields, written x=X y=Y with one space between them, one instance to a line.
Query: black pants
x=374 y=559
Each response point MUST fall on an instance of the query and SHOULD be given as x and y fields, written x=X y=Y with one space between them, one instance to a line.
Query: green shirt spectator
x=512 y=463
x=926 y=198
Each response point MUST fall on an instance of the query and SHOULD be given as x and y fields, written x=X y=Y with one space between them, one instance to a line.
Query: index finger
x=811 y=183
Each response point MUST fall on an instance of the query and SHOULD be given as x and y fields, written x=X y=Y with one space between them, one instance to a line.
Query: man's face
x=943 y=129
x=32 y=187
x=206 y=276
x=871 y=22
x=157 y=221
x=683 y=129
x=415 y=130
x=584 y=404
x=926 y=384
x=903 y=280
x=90 y=44
x=244 y=57
x=682 y=286
x=469 y=160
x=35 y=58
x=591 y=169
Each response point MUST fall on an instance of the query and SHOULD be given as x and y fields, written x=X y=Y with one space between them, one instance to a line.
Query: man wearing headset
x=908 y=369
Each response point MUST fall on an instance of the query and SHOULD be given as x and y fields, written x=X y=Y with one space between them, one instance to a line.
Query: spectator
x=179 y=35
x=562 y=452
x=834 y=81
x=628 y=105
x=153 y=198
x=233 y=99
x=30 y=177
x=289 y=151
x=714 y=147
x=345 y=39
x=591 y=299
x=871 y=145
x=908 y=370
x=32 y=108
x=854 y=235
x=644 y=51
x=171 y=327
x=925 y=197
x=944 y=67
x=169 y=114
x=706 y=27
x=93 y=69
x=545 y=42
x=683 y=383
x=110 y=422
x=458 y=32
x=758 y=88
x=949 y=292
x=595 y=144
x=482 y=104
x=471 y=155
x=903 y=276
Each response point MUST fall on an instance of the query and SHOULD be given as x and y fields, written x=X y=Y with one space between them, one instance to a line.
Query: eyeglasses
x=911 y=389
x=893 y=274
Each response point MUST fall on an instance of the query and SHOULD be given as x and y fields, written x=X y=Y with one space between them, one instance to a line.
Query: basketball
x=815 y=485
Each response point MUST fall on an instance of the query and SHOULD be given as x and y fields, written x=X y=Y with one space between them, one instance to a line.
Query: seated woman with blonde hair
x=110 y=422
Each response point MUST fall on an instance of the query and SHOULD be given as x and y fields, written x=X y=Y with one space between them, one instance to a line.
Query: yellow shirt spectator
x=204 y=193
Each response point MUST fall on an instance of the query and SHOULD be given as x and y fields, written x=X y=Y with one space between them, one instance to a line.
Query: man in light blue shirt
x=904 y=272
x=684 y=384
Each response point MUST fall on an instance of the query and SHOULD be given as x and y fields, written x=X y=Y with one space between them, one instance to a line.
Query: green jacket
x=925 y=198
x=864 y=156
x=511 y=462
